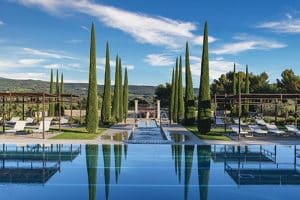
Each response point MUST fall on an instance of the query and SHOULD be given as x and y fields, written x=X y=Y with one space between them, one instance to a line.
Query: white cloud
x=85 y=28
x=24 y=76
x=1 y=23
x=101 y=64
x=154 y=30
x=289 y=16
x=74 y=41
x=158 y=60
x=216 y=67
x=289 y=25
x=19 y=63
x=66 y=66
x=246 y=43
x=30 y=61
x=129 y=67
x=46 y=53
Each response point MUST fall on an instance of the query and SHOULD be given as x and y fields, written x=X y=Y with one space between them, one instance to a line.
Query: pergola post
x=43 y=115
x=59 y=111
x=9 y=106
x=225 y=113
x=23 y=108
x=276 y=110
x=240 y=113
x=71 y=118
x=38 y=109
x=261 y=107
x=80 y=114
x=296 y=112
x=215 y=110
x=3 y=113
x=136 y=103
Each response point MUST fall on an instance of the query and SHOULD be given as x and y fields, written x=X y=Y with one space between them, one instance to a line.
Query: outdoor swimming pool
x=149 y=172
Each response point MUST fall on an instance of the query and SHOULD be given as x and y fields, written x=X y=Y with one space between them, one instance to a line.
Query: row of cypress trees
x=59 y=88
x=182 y=109
x=115 y=109
x=111 y=111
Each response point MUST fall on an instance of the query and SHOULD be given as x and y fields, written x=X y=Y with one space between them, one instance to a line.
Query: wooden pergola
x=37 y=98
x=257 y=99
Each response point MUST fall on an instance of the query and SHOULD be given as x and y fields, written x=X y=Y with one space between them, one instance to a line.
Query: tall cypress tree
x=247 y=91
x=189 y=112
x=57 y=93
x=204 y=99
x=120 y=92
x=115 y=104
x=125 y=95
x=92 y=98
x=180 y=93
x=239 y=88
x=106 y=104
x=51 y=105
x=234 y=88
x=62 y=90
x=57 y=83
x=172 y=97
x=175 y=112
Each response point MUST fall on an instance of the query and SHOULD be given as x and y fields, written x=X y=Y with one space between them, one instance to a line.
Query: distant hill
x=74 y=88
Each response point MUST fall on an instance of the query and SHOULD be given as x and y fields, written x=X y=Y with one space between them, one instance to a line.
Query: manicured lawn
x=214 y=134
x=77 y=134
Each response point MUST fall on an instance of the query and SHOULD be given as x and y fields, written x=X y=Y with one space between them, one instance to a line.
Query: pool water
x=147 y=131
x=149 y=172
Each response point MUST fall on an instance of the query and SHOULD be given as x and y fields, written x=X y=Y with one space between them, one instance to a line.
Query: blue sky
x=36 y=35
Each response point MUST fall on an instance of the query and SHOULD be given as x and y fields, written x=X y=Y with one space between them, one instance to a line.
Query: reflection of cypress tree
x=92 y=166
x=125 y=150
x=106 y=161
x=178 y=154
x=188 y=164
x=203 y=156
x=118 y=160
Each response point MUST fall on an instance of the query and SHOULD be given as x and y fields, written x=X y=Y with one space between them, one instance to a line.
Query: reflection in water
x=27 y=164
x=177 y=154
x=203 y=156
x=125 y=150
x=118 y=160
x=106 y=150
x=92 y=167
x=188 y=164
x=149 y=174
x=177 y=137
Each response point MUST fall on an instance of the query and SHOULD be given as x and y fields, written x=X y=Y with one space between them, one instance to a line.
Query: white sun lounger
x=261 y=122
x=13 y=120
x=40 y=129
x=235 y=129
x=257 y=130
x=19 y=126
x=273 y=129
x=29 y=120
x=48 y=118
x=292 y=129
x=236 y=121
x=63 y=120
